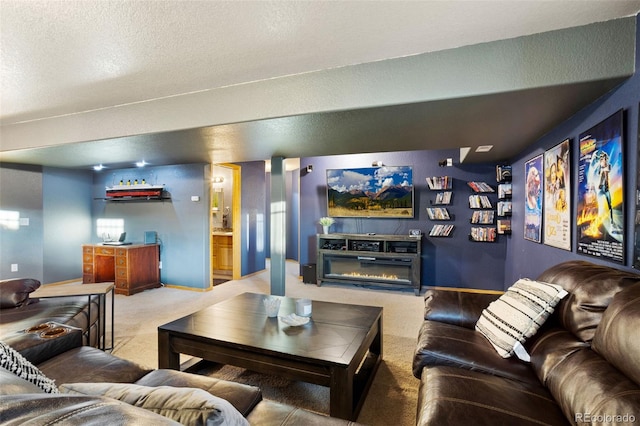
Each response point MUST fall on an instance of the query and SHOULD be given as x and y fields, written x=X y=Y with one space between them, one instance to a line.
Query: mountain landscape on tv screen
x=385 y=191
x=390 y=201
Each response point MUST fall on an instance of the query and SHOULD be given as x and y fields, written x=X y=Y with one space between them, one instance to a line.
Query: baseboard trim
x=74 y=281
x=182 y=287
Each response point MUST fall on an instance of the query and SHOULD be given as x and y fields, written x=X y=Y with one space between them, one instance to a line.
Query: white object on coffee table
x=294 y=320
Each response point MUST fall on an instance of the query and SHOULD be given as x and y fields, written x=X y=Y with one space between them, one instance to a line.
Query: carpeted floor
x=392 y=398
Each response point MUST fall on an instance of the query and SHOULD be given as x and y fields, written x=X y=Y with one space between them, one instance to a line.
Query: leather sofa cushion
x=584 y=382
x=591 y=288
x=614 y=338
x=15 y=292
x=275 y=413
x=453 y=396
x=442 y=344
x=552 y=347
x=188 y=406
x=242 y=397
x=88 y=364
x=456 y=307
x=12 y=384
x=47 y=409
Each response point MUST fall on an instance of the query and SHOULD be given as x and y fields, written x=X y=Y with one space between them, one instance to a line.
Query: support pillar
x=278 y=212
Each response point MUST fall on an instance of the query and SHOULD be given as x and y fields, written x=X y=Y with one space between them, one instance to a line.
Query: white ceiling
x=67 y=57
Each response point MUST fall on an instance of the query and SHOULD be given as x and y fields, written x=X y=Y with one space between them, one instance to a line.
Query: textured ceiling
x=62 y=58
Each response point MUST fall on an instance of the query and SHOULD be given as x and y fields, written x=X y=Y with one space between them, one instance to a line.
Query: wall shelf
x=443 y=184
x=483 y=234
x=441 y=231
x=438 y=183
x=141 y=192
x=442 y=198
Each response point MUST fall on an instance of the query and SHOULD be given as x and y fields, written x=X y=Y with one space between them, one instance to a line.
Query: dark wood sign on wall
x=600 y=211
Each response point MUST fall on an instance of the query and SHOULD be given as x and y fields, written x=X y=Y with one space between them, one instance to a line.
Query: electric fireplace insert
x=376 y=260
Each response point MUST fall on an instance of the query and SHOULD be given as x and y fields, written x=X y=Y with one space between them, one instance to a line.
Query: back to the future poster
x=600 y=210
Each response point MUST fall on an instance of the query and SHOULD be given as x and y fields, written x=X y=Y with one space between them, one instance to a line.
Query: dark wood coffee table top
x=333 y=335
x=340 y=347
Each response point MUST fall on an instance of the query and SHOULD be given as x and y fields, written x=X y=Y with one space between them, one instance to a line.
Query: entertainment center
x=370 y=259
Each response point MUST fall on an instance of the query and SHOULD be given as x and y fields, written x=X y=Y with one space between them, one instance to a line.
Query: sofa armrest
x=45 y=341
x=461 y=308
x=15 y=292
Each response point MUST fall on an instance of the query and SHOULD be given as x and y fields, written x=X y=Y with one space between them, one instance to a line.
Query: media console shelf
x=364 y=259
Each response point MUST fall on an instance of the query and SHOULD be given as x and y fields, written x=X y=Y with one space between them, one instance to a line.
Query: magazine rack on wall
x=443 y=184
x=483 y=213
x=503 y=177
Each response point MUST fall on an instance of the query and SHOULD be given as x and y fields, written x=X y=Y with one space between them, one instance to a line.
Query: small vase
x=325 y=229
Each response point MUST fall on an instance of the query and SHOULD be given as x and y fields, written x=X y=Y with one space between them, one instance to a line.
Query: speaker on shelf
x=503 y=173
x=150 y=237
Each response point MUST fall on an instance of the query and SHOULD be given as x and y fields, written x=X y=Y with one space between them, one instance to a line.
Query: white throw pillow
x=188 y=406
x=518 y=314
x=11 y=360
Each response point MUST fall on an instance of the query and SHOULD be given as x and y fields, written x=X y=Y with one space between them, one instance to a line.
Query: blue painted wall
x=22 y=192
x=66 y=209
x=57 y=204
x=182 y=225
x=254 y=239
x=539 y=256
x=449 y=262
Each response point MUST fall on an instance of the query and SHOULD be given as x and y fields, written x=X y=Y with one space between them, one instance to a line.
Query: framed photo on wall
x=557 y=196
x=533 y=199
x=600 y=210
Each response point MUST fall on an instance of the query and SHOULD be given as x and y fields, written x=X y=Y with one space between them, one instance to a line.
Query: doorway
x=225 y=190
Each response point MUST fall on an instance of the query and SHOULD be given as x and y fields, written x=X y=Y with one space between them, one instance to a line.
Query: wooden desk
x=88 y=290
x=133 y=268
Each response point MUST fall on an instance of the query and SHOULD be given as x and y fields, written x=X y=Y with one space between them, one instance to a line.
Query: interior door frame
x=236 y=224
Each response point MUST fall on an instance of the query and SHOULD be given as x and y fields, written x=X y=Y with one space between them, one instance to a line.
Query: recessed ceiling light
x=141 y=163
x=98 y=167
x=484 y=148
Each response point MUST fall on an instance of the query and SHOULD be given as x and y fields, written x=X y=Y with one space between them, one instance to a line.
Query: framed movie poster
x=533 y=199
x=600 y=210
x=557 y=196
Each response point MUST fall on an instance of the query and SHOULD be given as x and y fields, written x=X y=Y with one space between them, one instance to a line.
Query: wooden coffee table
x=341 y=347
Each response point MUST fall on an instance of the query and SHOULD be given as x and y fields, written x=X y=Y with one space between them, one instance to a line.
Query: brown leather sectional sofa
x=65 y=360
x=18 y=311
x=585 y=360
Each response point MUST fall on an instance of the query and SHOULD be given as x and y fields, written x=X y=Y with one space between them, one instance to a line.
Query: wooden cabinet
x=132 y=268
x=222 y=253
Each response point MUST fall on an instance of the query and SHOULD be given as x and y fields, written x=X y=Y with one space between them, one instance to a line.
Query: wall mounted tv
x=380 y=192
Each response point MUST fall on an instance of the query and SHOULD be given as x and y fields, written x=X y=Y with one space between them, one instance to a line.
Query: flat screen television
x=376 y=192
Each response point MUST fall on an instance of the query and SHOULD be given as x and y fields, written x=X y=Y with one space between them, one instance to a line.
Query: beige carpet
x=392 y=398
